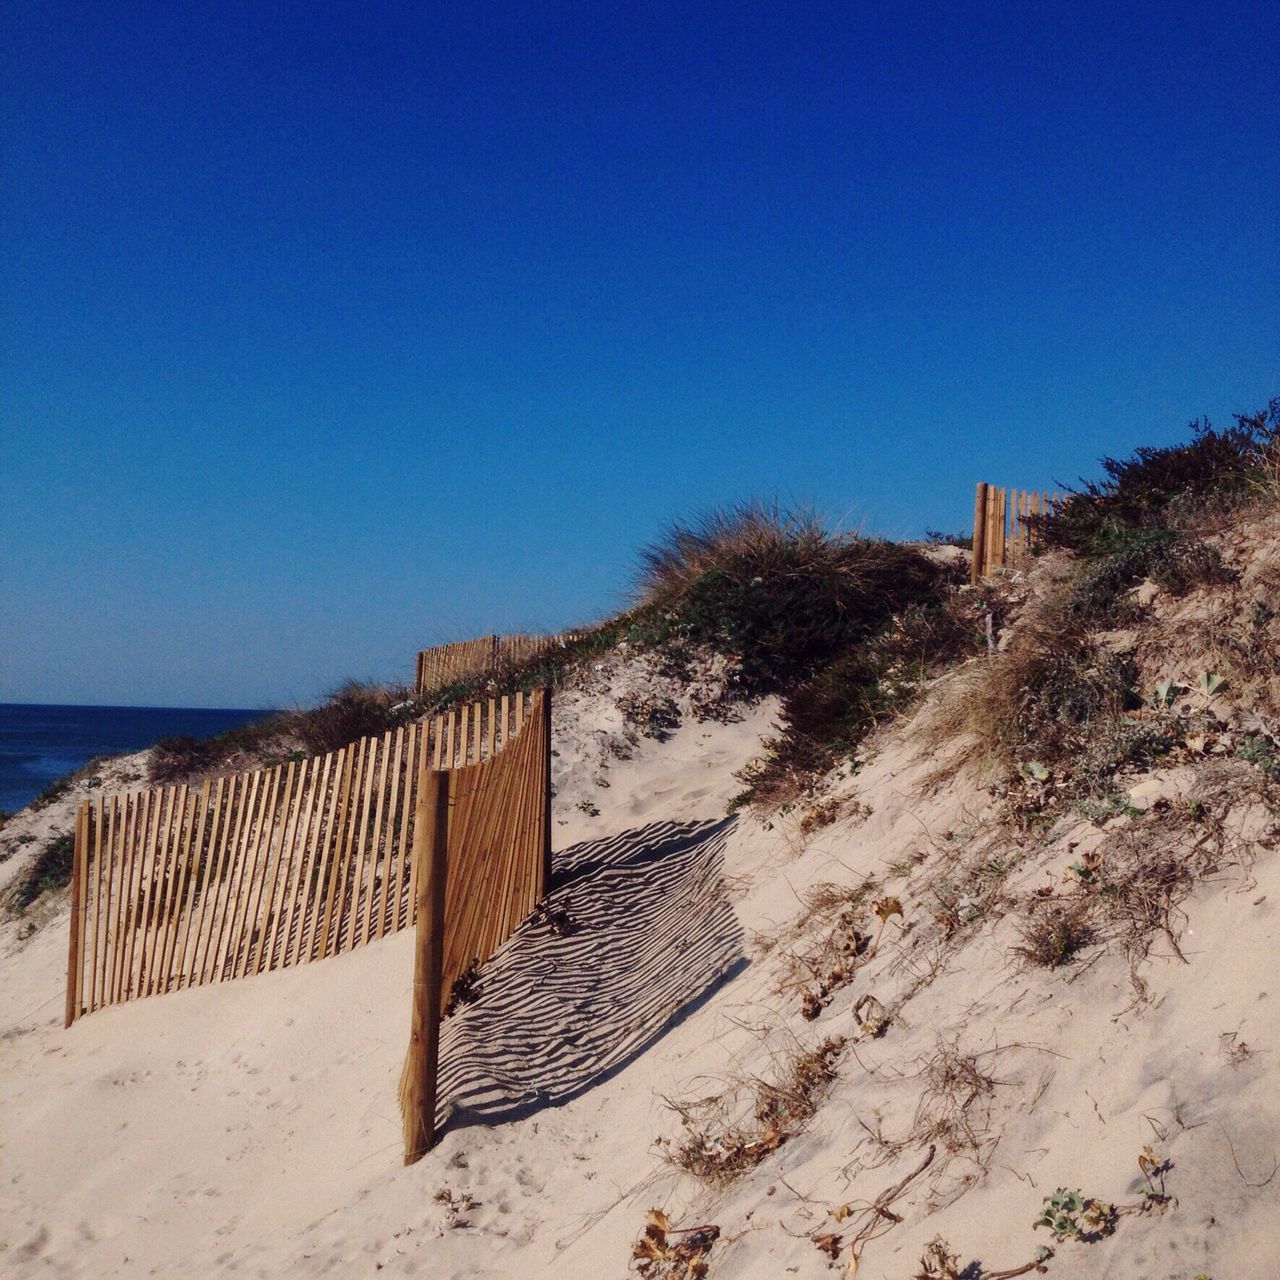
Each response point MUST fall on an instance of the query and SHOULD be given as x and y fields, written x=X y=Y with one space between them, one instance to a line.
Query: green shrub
x=1172 y=560
x=50 y=869
x=824 y=719
x=1153 y=487
x=774 y=591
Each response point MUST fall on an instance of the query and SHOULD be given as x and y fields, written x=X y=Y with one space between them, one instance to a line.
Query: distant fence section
x=1002 y=534
x=450 y=664
x=176 y=886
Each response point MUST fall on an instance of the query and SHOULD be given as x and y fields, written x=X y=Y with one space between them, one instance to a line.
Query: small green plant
x=1086 y=870
x=1101 y=809
x=1260 y=752
x=1209 y=682
x=1071 y=1216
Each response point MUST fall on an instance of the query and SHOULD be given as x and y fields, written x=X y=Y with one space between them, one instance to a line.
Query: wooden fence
x=480 y=841
x=1002 y=537
x=177 y=886
x=450 y=664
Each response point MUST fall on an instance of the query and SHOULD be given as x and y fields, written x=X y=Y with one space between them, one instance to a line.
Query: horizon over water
x=39 y=742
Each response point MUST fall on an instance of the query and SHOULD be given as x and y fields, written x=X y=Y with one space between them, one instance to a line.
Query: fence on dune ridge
x=1002 y=533
x=444 y=665
x=176 y=886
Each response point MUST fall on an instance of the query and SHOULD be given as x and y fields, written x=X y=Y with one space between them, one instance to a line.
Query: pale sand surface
x=252 y=1128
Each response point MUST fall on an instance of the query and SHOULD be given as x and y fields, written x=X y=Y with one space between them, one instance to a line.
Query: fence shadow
x=651 y=937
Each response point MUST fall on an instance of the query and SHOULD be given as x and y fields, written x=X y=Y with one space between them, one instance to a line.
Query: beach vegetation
x=49 y=870
x=735 y=1129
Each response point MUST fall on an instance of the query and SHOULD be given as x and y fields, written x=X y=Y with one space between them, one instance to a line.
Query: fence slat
x=284 y=914
x=118 y=880
x=209 y=881
x=263 y=915
x=161 y=889
x=74 y=958
x=139 y=857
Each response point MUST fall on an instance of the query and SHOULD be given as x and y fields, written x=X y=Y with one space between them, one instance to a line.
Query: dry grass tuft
x=1129 y=891
x=1055 y=933
x=1039 y=701
x=953 y=1114
x=736 y=1129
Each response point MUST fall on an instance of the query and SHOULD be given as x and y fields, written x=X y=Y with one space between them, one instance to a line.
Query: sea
x=38 y=744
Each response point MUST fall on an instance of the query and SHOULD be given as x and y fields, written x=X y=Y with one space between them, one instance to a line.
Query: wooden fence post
x=430 y=858
x=979 y=532
x=76 y=924
x=546 y=792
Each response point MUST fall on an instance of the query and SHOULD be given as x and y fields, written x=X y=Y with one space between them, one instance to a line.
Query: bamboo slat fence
x=450 y=664
x=178 y=886
x=1002 y=536
x=480 y=839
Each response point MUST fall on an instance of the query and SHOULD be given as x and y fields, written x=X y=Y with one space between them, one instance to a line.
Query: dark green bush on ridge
x=1157 y=484
x=774 y=591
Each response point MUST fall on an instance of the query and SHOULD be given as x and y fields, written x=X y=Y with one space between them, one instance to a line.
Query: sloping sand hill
x=687 y=1001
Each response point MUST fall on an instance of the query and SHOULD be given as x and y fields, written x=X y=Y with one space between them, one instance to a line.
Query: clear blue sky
x=332 y=331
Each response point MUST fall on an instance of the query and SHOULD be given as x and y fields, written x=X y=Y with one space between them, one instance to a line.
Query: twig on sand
x=879 y=1218
x=1275 y=1163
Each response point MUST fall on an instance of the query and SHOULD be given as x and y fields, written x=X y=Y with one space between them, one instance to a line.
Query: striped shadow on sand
x=651 y=935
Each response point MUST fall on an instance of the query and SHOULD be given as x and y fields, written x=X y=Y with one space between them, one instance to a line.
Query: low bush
x=355 y=710
x=774 y=591
x=1052 y=707
x=50 y=869
x=1158 y=485
x=1174 y=561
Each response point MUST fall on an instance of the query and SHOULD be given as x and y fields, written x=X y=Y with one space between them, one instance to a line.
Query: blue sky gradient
x=333 y=331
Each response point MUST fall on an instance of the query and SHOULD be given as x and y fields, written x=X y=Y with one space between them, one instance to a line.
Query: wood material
x=446 y=665
x=178 y=886
x=496 y=854
x=430 y=852
x=1003 y=529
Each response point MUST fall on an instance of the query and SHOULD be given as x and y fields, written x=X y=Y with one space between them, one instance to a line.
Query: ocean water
x=40 y=743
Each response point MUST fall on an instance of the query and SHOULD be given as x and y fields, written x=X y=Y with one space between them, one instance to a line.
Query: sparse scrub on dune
x=551 y=668
x=354 y=710
x=1058 y=708
x=49 y=869
x=664 y=1252
x=1128 y=892
x=845 y=628
x=1055 y=932
x=952 y=1113
x=1047 y=702
x=182 y=756
x=87 y=773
